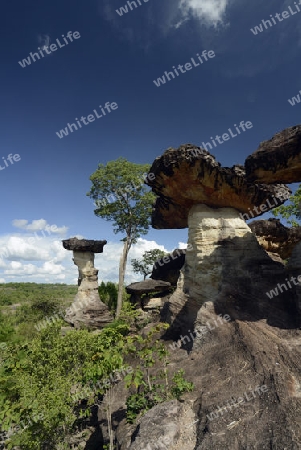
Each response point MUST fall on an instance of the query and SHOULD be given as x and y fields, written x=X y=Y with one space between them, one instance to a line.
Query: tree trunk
x=122 y=267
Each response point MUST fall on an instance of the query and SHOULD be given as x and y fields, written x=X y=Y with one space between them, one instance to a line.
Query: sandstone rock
x=294 y=269
x=190 y=175
x=226 y=262
x=168 y=268
x=87 y=309
x=277 y=160
x=275 y=237
x=163 y=427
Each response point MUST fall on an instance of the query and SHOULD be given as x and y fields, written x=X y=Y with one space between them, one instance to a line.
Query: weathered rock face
x=168 y=268
x=226 y=262
x=294 y=269
x=276 y=238
x=164 y=426
x=87 y=309
x=191 y=175
x=277 y=160
x=246 y=377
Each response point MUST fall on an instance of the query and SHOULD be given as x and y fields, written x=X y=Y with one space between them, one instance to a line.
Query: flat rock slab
x=277 y=160
x=84 y=245
x=149 y=285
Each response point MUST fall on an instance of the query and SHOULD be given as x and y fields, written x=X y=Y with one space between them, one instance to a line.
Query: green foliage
x=108 y=293
x=23 y=293
x=180 y=385
x=292 y=210
x=149 y=258
x=47 y=378
x=121 y=196
x=151 y=385
x=49 y=382
x=7 y=330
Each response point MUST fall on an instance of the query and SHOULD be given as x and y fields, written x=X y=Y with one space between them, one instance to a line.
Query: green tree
x=292 y=210
x=149 y=258
x=120 y=195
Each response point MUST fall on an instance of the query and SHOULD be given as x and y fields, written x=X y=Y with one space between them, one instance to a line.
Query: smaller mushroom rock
x=146 y=287
x=277 y=160
x=87 y=308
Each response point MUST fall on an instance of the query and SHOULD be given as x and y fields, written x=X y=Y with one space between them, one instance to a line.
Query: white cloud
x=44 y=260
x=108 y=261
x=210 y=12
x=39 y=225
x=160 y=18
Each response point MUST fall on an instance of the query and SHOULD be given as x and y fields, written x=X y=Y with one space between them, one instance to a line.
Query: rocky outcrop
x=275 y=238
x=294 y=269
x=226 y=263
x=87 y=309
x=246 y=376
x=190 y=175
x=277 y=160
x=166 y=426
x=168 y=268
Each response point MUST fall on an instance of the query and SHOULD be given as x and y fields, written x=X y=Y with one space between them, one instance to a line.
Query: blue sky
x=116 y=59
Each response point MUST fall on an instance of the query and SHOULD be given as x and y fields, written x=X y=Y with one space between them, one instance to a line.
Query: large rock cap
x=277 y=160
x=190 y=175
x=84 y=245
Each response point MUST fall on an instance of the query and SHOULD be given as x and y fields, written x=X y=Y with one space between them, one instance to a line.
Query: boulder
x=168 y=268
x=166 y=426
x=275 y=238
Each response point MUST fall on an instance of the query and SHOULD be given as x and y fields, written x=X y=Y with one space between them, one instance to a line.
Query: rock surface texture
x=294 y=269
x=277 y=160
x=168 y=268
x=275 y=238
x=226 y=262
x=190 y=175
x=87 y=309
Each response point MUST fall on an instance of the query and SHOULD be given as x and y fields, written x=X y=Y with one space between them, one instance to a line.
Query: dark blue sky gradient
x=116 y=60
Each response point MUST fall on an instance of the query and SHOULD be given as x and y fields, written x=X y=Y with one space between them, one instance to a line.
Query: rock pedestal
x=87 y=309
x=226 y=268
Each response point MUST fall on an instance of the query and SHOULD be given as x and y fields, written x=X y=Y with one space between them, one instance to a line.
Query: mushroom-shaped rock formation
x=190 y=175
x=277 y=160
x=146 y=287
x=275 y=238
x=225 y=260
x=87 y=308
